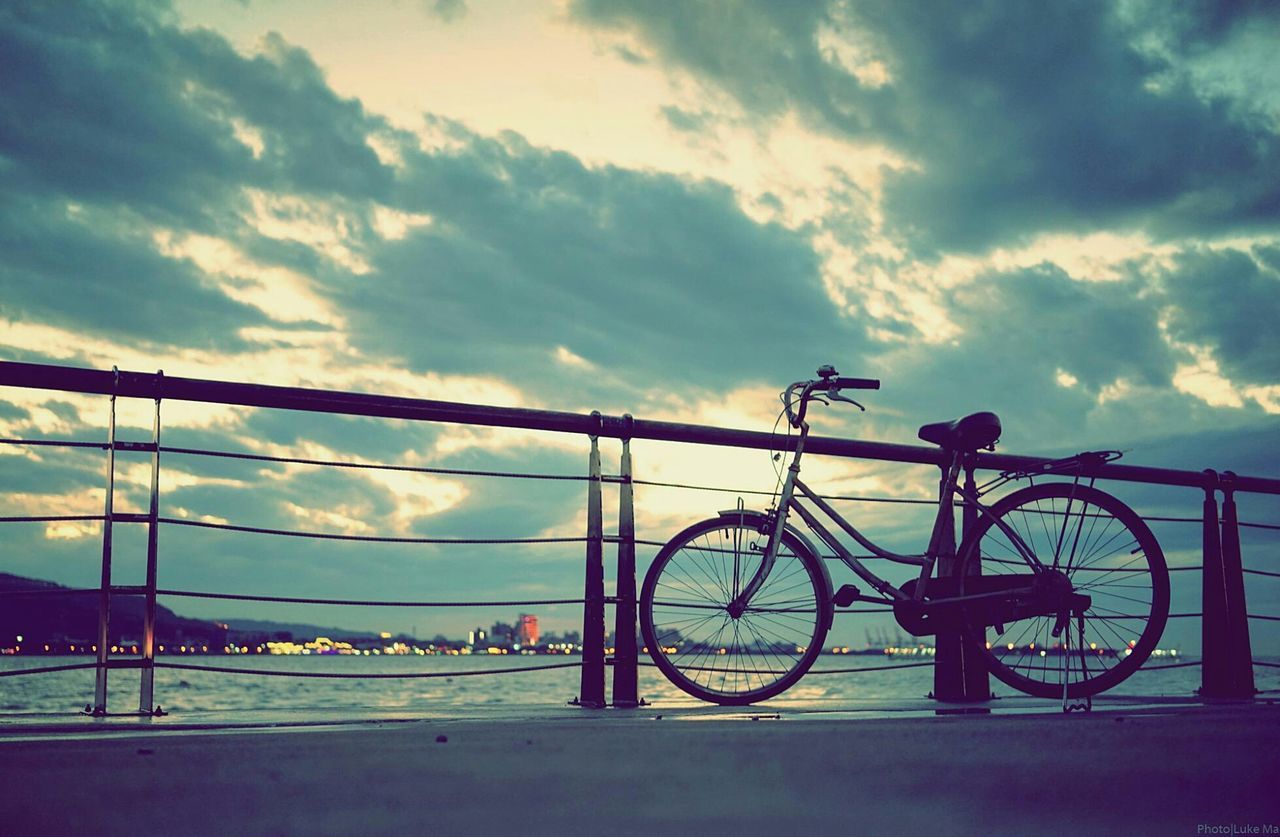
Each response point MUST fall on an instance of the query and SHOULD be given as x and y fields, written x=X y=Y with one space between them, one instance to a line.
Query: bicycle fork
x=738 y=605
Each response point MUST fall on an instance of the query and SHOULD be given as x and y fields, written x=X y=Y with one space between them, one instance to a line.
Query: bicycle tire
x=692 y=638
x=1108 y=552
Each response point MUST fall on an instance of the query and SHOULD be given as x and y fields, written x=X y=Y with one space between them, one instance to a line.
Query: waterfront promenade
x=1129 y=767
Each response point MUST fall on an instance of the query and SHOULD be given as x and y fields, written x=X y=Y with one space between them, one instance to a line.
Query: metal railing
x=1227 y=660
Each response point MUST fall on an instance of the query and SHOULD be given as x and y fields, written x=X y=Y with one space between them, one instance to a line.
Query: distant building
x=476 y=637
x=527 y=625
x=502 y=634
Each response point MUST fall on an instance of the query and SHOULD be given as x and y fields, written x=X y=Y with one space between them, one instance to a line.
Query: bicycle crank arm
x=848 y=594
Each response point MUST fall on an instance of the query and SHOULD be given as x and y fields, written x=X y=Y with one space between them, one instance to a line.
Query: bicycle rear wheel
x=1107 y=552
x=699 y=646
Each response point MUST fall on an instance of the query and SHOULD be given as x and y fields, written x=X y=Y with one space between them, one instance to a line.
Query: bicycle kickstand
x=1067 y=704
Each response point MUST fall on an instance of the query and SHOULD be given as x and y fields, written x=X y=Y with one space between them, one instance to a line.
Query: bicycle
x=735 y=609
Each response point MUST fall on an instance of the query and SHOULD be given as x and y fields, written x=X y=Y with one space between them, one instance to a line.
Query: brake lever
x=835 y=396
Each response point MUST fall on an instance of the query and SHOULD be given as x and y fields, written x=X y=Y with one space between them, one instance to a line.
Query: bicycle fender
x=759 y=518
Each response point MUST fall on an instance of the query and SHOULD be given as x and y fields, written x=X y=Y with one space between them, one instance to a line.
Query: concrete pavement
x=1127 y=769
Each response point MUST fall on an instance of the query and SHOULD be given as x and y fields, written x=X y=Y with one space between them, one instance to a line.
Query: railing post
x=591 y=693
x=1239 y=652
x=626 y=690
x=104 y=594
x=959 y=673
x=146 y=687
x=1213 y=634
x=948 y=660
x=977 y=685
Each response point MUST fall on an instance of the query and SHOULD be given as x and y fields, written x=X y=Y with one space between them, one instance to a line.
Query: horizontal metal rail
x=155 y=386
x=55 y=443
x=53 y=518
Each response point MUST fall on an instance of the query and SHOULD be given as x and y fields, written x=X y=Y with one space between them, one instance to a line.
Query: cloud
x=120 y=130
x=447 y=10
x=1019 y=119
x=91 y=271
x=1020 y=335
x=1229 y=301
x=639 y=273
x=764 y=54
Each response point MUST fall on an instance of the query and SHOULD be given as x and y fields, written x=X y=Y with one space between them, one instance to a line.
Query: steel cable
x=869 y=668
x=762 y=493
x=334 y=675
x=333 y=536
x=46 y=669
x=362 y=602
x=370 y=466
x=1169 y=665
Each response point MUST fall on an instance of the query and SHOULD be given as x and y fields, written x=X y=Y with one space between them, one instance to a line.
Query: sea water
x=473 y=682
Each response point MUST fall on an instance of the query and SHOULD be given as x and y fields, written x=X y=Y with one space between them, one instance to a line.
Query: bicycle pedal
x=846 y=595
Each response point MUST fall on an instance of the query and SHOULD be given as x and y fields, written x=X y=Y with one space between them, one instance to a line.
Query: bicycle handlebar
x=829 y=383
x=855 y=383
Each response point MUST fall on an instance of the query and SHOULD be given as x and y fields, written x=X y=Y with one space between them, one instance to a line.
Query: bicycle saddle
x=978 y=430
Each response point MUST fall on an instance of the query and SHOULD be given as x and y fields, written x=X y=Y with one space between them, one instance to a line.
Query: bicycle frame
x=950 y=489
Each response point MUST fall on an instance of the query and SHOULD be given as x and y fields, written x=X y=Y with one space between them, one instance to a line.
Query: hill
x=46 y=613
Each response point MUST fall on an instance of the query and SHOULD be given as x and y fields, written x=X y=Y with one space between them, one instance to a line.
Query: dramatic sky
x=1065 y=212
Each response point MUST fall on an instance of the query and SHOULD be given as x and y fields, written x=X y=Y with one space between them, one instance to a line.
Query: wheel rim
x=705 y=651
x=1109 y=555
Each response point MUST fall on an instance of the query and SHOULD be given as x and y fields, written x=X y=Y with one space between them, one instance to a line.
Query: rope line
x=335 y=675
x=1268 y=665
x=18 y=672
x=869 y=668
x=1267 y=618
x=59 y=591
x=360 y=602
x=1262 y=572
x=371 y=466
x=761 y=493
x=1171 y=665
x=333 y=536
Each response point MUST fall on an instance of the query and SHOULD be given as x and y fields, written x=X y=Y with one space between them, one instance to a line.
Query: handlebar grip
x=855 y=383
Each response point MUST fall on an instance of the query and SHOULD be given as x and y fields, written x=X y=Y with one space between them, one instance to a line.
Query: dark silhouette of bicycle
x=1060 y=586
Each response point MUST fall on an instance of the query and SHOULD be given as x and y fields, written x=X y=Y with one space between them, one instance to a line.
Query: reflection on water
x=185 y=690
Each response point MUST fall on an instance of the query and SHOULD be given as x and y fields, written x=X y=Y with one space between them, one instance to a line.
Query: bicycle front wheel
x=1107 y=552
x=704 y=650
